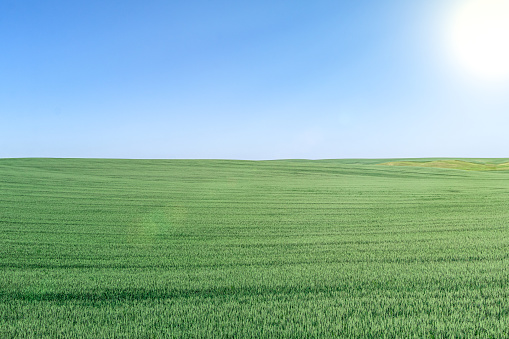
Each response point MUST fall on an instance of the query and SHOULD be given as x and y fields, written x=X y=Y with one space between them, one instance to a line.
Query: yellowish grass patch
x=453 y=164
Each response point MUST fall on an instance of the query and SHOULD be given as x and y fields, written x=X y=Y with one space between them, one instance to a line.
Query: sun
x=478 y=38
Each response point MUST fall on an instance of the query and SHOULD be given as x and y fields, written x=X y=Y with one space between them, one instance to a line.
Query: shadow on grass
x=113 y=295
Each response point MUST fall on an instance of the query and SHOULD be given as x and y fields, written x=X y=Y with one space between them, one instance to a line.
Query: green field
x=287 y=249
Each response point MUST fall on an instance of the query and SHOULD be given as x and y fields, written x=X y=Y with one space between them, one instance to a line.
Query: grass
x=211 y=248
x=454 y=164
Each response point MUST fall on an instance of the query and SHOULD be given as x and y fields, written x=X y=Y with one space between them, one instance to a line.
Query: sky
x=244 y=80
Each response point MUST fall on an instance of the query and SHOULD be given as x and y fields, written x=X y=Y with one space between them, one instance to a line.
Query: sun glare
x=479 y=38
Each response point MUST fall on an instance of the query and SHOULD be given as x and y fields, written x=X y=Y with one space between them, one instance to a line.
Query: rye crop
x=287 y=249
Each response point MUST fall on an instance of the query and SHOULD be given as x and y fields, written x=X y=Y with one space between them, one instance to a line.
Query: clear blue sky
x=240 y=80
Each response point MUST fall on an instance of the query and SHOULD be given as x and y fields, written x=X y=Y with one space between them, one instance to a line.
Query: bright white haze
x=479 y=38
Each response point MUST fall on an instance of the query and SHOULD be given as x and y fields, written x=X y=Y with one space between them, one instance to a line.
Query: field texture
x=209 y=248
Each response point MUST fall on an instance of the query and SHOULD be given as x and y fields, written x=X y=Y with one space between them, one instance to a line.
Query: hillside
x=219 y=248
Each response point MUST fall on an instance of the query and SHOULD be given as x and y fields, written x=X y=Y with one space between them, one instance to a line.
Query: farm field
x=287 y=248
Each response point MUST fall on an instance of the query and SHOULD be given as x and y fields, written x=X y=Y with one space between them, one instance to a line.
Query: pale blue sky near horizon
x=240 y=80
